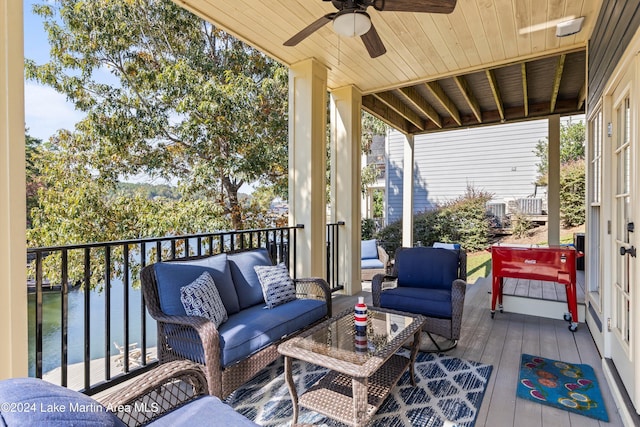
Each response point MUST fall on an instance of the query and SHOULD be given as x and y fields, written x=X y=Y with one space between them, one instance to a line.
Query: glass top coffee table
x=362 y=370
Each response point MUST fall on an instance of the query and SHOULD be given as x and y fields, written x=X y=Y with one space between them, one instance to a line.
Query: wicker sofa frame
x=221 y=380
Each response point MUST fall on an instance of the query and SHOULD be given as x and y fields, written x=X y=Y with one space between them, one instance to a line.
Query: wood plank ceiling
x=490 y=61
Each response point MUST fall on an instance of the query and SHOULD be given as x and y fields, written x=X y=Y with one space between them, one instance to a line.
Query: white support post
x=407 y=192
x=307 y=163
x=346 y=104
x=13 y=259
x=553 y=193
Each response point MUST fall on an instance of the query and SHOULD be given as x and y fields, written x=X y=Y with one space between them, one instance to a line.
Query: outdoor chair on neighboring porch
x=373 y=259
x=429 y=281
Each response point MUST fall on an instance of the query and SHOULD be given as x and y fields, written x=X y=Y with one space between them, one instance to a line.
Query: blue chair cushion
x=34 y=402
x=371 y=263
x=204 y=411
x=368 y=249
x=171 y=276
x=256 y=327
x=245 y=277
x=429 y=302
x=454 y=246
x=425 y=267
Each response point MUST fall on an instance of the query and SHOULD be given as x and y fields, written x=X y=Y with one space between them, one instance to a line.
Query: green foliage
x=572 y=174
x=572 y=146
x=75 y=205
x=32 y=148
x=189 y=101
x=368 y=228
x=148 y=191
x=572 y=193
x=520 y=225
x=461 y=221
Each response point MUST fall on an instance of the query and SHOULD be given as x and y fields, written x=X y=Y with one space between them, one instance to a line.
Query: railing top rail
x=155 y=239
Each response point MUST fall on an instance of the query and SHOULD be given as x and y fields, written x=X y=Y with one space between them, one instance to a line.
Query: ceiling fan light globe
x=352 y=24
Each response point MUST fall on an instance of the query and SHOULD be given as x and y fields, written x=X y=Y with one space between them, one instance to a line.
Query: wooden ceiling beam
x=412 y=96
x=381 y=111
x=443 y=98
x=556 y=82
x=525 y=88
x=582 y=96
x=401 y=108
x=493 y=82
x=467 y=93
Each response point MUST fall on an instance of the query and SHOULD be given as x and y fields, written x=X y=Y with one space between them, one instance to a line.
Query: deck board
x=501 y=341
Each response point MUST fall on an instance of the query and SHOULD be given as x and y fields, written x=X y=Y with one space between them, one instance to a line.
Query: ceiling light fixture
x=567 y=28
x=351 y=23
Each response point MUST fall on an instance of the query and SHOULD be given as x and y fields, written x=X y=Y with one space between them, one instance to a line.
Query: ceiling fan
x=352 y=19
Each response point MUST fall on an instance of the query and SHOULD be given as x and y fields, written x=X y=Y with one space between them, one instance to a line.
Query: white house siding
x=497 y=159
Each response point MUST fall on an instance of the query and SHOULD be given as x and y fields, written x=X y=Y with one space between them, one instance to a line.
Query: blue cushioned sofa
x=239 y=348
x=171 y=395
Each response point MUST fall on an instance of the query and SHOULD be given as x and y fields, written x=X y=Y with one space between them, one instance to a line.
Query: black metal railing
x=87 y=296
x=333 y=261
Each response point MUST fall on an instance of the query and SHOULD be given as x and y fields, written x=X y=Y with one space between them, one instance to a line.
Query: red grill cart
x=549 y=263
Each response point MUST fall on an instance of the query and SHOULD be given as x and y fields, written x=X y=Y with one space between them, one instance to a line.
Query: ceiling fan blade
x=373 y=43
x=310 y=29
x=420 y=6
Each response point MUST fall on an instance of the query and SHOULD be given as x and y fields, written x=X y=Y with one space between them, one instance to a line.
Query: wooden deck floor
x=500 y=342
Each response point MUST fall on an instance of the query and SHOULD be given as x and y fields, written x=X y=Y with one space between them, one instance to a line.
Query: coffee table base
x=333 y=395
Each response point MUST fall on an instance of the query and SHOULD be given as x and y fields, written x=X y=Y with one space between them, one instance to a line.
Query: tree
x=74 y=204
x=572 y=173
x=572 y=144
x=187 y=102
x=32 y=148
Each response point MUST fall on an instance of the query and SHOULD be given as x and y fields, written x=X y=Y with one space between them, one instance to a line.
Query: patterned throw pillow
x=277 y=286
x=201 y=298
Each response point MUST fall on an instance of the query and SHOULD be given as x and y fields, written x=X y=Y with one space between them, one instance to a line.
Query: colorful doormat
x=561 y=385
x=449 y=392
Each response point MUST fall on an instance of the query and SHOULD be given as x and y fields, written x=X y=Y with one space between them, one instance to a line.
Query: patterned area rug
x=449 y=392
x=561 y=385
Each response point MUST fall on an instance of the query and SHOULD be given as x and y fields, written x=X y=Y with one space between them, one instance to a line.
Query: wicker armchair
x=428 y=281
x=174 y=394
x=199 y=338
x=374 y=260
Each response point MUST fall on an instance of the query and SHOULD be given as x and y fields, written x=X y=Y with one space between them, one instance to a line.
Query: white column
x=346 y=105
x=13 y=280
x=307 y=163
x=553 y=192
x=407 y=192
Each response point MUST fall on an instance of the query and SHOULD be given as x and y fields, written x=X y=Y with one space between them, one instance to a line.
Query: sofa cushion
x=256 y=327
x=454 y=246
x=371 y=263
x=429 y=302
x=34 y=402
x=201 y=298
x=425 y=267
x=277 y=286
x=204 y=411
x=244 y=275
x=173 y=275
x=369 y=249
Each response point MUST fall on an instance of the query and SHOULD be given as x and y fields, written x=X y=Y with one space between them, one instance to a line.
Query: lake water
x=51 y=328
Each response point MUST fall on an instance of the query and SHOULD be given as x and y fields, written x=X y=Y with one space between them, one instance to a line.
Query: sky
x=46 y=110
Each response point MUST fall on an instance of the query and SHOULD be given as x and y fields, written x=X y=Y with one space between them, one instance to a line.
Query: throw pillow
x=201 y=298
x=277 y=286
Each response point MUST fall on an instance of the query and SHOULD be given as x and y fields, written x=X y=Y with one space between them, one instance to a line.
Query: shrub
x=463 y=221
x=368 y=228
x=572 y=193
